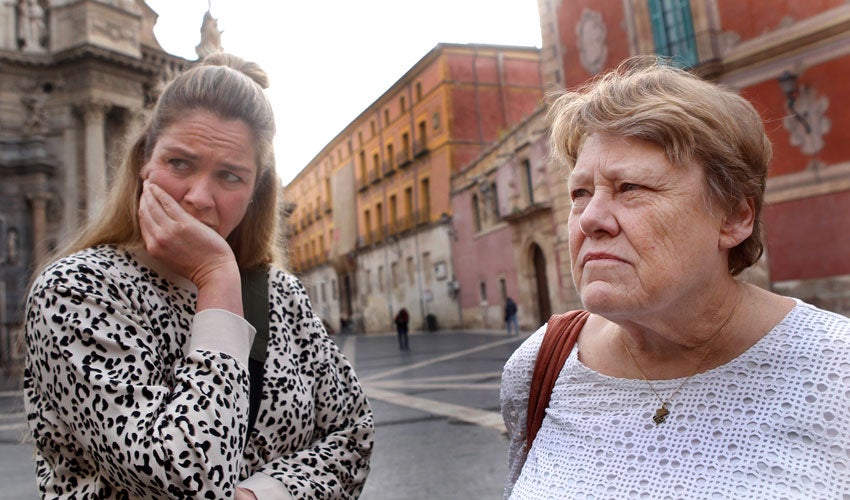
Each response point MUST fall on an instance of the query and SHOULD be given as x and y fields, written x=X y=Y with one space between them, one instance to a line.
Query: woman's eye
x=579 y=193
x=178 y=164
x=628 y=186
x=230 y=176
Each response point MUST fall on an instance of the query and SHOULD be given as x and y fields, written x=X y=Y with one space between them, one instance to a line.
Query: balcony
x=326 y=207
x=403 y=159
x=362 y=183
x=422 y=217
x=420 y=148
x=388 y=168
x=375 y=176
x=520 y=213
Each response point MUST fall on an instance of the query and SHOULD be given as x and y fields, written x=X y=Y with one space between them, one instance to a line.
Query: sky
x=329 y=60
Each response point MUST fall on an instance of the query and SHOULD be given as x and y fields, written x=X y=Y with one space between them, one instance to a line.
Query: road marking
x=449 y=378
x=438 y=359
x=21 y=426
x=476 y=416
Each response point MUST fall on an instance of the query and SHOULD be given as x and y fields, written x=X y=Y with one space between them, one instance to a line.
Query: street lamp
x=789 y=86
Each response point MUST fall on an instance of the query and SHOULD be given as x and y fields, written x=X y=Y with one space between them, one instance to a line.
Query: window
x=363 y=166
x=405 y=145
x=673 y=31
x=503 y=288
x=425 y=199
x=372 y=126
x=529 y=183
x=482 y=291
x=494 y=201
x=411 y=270
x=376 y=165
x=379 y=215
x=476 y=214
x=394 y=274
x=324 y=292
x=334 y=290
x=423 y=134
x=381 y=278
x=418 y=91
x=435 y=121
x=390 y=156
x=367 y=220
x=368 y=281
x=386 y=116
x=402 y=104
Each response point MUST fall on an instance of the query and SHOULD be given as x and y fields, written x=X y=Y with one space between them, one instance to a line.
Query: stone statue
x=32 y=28
x=210 y=37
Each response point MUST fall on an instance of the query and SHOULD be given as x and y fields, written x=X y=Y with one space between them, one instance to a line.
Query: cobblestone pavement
x=439 y=433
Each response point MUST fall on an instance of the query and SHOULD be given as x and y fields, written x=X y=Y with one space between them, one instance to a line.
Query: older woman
x=137 y=380
x=685 y=382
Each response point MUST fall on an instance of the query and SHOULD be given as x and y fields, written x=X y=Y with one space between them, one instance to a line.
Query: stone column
x=38 y=202
x=94 y=115
x=71 y=172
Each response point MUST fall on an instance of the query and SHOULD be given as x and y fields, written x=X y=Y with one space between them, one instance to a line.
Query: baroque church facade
x=76 y=77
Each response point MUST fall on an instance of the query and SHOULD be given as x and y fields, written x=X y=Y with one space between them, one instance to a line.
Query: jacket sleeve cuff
x=222 y=331
x=265 y=487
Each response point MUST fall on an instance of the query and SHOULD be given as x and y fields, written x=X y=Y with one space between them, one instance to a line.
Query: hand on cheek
x=179 y=240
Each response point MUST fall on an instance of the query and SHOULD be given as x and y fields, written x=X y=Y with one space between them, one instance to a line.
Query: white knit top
x=772 y=423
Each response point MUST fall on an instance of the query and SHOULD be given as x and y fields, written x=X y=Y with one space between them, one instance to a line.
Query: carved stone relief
x=591 y=33
x=811 y=109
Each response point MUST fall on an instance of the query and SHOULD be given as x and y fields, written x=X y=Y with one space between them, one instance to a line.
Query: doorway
x=544 y=305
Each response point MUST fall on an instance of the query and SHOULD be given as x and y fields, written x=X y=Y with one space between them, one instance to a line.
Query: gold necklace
x=662 y=411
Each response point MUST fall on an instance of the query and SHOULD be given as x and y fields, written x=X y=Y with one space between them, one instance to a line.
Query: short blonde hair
x=691 y=119
x=232 y=89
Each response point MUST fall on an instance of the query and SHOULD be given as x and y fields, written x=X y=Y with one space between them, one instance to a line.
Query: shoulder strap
x=561 y=334
x=255 y=304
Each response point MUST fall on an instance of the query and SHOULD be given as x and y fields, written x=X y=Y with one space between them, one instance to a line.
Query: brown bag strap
x=561 y=334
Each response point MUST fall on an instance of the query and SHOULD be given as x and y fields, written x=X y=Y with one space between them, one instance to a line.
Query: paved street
x=439 y=434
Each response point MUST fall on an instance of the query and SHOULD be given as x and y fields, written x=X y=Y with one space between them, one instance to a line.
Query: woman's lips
x=597 y=256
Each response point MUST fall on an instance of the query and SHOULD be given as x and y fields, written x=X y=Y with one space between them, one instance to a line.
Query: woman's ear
x=737 y=224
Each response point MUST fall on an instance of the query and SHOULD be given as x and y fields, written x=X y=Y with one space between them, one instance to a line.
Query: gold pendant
x=661 y=414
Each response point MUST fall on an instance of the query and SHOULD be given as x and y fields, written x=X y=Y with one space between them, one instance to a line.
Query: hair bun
x=250 y=69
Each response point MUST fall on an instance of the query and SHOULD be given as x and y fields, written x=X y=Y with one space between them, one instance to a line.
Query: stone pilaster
x=94 y=115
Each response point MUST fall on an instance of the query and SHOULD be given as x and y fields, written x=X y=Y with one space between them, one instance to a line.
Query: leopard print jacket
x=121 y=404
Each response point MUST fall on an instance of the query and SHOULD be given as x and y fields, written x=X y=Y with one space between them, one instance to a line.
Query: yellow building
x=371 y=229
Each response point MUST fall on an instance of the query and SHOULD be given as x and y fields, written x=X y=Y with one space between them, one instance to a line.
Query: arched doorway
x=544 y=305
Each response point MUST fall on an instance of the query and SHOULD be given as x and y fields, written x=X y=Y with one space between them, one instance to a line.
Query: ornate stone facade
x=76 y=77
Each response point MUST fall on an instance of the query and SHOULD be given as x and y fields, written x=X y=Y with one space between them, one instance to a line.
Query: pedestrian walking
x=401 y=321
x=510 y=316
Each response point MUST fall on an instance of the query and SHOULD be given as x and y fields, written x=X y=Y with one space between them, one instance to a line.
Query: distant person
x=685 y=381
x=142 y=379
x=510 y=316
x=401 y=321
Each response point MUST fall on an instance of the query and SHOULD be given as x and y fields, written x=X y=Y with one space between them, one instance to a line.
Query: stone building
x=75 y=78
x=371 y=231
x=784 y=57
x=507 y=205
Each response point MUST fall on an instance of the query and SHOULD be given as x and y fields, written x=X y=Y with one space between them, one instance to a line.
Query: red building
x=788 y=58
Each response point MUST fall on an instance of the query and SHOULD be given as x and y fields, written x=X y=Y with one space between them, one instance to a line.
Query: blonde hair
x=232 y=89
x=691 y=119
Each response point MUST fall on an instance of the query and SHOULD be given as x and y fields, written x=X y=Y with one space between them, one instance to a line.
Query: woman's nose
x=200 y=194
x=598 y=217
